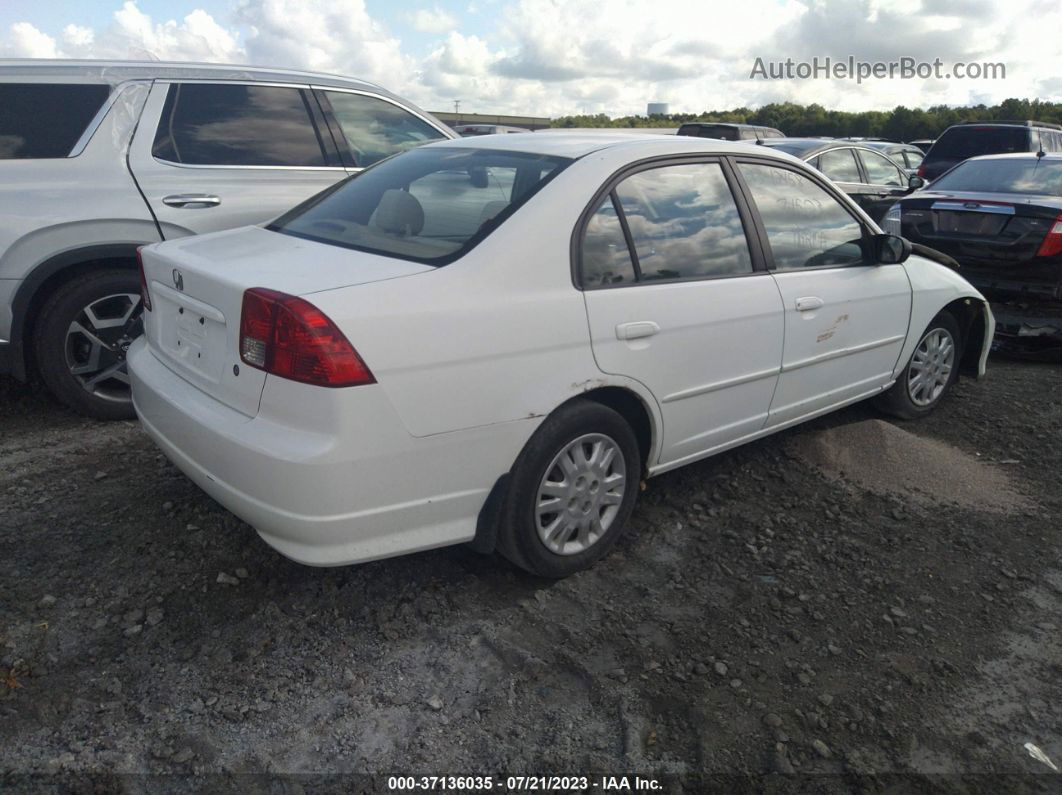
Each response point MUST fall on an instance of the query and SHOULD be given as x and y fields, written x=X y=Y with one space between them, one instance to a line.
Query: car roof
x=887 y=145
x=119 y=71
x=578 y=144
x=738 y=124
x=1053 y=156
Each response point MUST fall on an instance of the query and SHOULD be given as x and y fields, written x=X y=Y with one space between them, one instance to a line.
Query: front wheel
x=929 y=374
x=571 y=492
x=82 y=335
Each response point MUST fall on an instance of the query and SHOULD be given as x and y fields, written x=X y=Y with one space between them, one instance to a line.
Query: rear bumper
x=1030 y=329
x=347 y=484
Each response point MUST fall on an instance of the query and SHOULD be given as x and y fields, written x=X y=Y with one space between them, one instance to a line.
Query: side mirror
x=916 y=183
x=889 y=249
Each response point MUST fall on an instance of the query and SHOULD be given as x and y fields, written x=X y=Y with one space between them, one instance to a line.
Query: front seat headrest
x=491 y=209
x=400 y=213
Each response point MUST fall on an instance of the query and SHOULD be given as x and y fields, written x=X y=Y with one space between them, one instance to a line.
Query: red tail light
x=1052 y=244
x=145 y=296
x=922 y=171
x=287 y=336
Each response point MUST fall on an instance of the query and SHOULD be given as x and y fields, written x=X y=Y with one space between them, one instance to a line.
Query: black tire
x=58 y=352
x=518 y=534
x=898 y=400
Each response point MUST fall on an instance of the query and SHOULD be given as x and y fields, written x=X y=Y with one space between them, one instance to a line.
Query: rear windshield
x=427 y=205
x=1038 y=177
x=963 y=142
x=796 y=149
x=725 y=131
x=39 y=120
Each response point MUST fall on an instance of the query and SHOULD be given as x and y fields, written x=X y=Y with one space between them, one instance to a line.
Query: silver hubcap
x=580 y=494
x=96 y=345
x=930 y=368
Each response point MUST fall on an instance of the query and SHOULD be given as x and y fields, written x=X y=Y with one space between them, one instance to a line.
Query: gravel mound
x=883 y=457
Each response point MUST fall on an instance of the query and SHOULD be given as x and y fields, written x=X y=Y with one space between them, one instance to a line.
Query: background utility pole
x=457 y=107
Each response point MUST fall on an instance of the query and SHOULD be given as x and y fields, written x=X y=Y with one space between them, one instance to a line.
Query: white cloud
x=26 y=41
x=433 y=20
x=543 y=57
x=332 y=37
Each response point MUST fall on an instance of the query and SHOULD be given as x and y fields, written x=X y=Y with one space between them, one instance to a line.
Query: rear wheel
x=929 y=374
x=572 y=491
x=82 y=335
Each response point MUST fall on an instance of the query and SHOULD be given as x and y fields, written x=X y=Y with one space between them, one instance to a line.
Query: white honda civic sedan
x=497 y=339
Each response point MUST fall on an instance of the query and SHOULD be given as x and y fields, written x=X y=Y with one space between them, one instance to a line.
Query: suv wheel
x=82 y=335
x=571 y=492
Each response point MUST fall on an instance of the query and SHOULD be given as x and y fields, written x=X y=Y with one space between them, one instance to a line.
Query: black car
x=873 y=179
x=975 y=138
x=728 y=132
x=907 y=155
x=1000 y=218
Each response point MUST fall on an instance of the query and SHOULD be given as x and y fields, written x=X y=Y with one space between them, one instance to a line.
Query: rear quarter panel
x=52 y=206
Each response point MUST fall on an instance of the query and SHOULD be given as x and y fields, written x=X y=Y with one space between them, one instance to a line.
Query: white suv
x=98 y=158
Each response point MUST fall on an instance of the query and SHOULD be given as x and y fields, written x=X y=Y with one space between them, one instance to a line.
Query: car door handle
x=636 y=330
x=808 y=303
x=192 y=201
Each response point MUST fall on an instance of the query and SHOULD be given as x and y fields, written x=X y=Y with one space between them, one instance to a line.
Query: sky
x=559 y=57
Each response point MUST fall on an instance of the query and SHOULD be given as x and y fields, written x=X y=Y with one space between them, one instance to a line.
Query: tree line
x=899 y=124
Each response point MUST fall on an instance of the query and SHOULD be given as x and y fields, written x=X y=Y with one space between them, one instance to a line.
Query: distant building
x=657 y=109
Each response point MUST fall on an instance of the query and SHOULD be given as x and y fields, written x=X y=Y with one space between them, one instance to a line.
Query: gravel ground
x=803 y=604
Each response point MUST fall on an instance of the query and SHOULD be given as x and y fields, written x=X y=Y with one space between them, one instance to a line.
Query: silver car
x=98 y=158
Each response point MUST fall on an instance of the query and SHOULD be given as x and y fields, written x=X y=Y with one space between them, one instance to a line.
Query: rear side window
x=606 y=259
x=914 y=159
x=963 y=142
x=805 y=225
x=684 y=223
x=39 y=120
x=375 y=129
x=237 y=125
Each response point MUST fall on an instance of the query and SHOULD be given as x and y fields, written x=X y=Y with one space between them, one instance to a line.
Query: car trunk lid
x=197 y=285
x=994 y=235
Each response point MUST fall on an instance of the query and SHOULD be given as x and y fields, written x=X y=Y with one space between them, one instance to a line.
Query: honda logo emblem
x=178 y=280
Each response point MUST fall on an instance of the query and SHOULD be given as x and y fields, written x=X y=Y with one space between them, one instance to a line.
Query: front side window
x=881 y=171
x=41 y=120
x=806 y=226
x=375 y=129
x=237 y=125
x=684 y=223
x=839 y=165
x=606 y=260
x=428 y=205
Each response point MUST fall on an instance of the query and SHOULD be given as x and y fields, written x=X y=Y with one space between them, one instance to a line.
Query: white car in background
x=497 y=339
x=100 y=157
